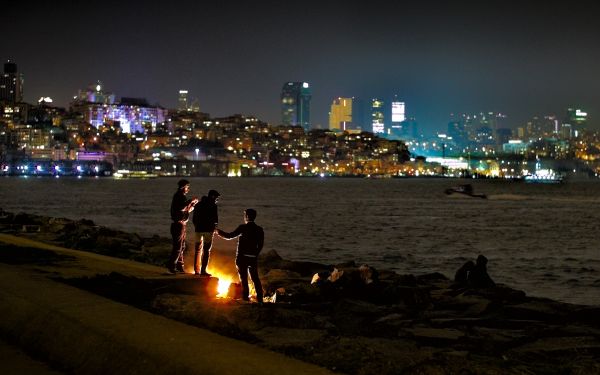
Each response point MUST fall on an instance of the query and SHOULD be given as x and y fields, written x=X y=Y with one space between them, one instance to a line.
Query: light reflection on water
x=539 y=238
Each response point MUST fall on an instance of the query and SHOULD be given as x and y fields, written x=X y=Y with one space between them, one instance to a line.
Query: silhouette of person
x=479 y=277
x=250 y=243
x=462 y=274
x=206 y=218
x=180 y=213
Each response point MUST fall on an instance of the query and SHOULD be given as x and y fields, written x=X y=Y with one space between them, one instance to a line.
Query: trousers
x=178 y=237
x=249 y=265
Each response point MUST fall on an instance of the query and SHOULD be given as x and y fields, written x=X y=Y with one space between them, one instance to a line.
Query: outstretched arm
x=230 y=236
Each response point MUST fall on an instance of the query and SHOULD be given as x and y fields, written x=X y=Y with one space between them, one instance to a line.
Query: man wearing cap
x=205 y=221
x=180 y=213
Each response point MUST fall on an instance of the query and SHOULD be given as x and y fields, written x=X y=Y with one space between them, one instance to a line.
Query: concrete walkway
x=84 y=333
x=13 y=361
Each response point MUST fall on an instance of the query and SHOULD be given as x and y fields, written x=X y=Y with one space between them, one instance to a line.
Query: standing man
x=206 y=218
x=250 y=243
x=180 y=213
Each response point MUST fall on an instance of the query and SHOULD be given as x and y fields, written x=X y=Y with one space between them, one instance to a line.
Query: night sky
x=439 y=57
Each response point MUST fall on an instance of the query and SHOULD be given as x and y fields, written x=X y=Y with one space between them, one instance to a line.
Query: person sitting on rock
x=462 y=274
x=478 y=277
x=250 y=243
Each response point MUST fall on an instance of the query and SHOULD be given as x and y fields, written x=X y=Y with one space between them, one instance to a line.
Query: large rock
x=272 y=260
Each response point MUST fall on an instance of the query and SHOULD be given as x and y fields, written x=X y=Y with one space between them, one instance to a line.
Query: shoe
x=205 y=274
x=172 y=270
x=179 y=268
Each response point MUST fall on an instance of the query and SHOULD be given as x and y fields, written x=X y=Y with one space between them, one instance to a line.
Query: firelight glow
x=223 y=286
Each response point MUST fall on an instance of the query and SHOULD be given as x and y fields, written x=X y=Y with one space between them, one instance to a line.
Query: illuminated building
x=515 y=146
x=133 y=115
x=182 y=102
x=540 y=127
x=295 y=104
x=95 y=94
x=377 y=116
x=396 y=130
x=577 y=120
x=340 y=116
x=11 y=84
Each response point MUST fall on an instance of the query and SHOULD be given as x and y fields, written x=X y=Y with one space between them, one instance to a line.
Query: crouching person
x=250 y=243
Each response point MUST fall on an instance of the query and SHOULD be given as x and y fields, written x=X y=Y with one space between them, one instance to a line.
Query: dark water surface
x=542 y=239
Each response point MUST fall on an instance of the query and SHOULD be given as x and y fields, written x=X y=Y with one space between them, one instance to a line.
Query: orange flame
x=223 y=285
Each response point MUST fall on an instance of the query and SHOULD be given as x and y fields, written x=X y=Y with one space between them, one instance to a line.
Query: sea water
x=542 y=239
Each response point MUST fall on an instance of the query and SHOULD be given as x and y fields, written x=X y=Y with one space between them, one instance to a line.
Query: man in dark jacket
x=206 y=218
x=250 y=243
x=180 y=213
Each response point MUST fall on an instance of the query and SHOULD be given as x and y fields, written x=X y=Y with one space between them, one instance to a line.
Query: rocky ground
x=350 y=318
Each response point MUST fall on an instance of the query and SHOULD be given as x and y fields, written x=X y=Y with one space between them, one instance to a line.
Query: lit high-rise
x=398 y=116
x=295 y=104
x=577 y=120
x=182 y=101
x=377 y=116
x=11 y=84
x=340 y=115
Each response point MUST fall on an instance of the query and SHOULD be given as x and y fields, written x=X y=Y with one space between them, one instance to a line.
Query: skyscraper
x=340 y=116
x=11 y=84
x=295 y=104
x=182 y=102
x=577 y=119
x=398 y=115
x=377 y=116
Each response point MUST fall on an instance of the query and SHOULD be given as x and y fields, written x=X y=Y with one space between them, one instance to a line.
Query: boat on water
x=123 y=173
x=378 y=176
x=544 y=178
x=465 y=190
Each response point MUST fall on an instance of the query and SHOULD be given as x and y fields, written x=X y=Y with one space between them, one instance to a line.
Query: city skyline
x=437 y=58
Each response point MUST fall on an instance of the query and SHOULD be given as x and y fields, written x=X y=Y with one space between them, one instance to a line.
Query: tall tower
x=11 y=84
x=398 y=116
x=340 y=116
x=182 y=102
x=377 y=116
x=295 y=104
x=577 y=118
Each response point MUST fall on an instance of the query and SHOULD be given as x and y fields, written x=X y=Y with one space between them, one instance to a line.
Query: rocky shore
x=347 y=317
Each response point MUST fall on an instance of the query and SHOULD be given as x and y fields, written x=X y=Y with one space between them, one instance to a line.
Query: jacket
x=251 y=239
x=206 y=216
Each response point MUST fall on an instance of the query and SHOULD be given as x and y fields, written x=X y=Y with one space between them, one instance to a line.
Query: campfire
x=223 y=285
